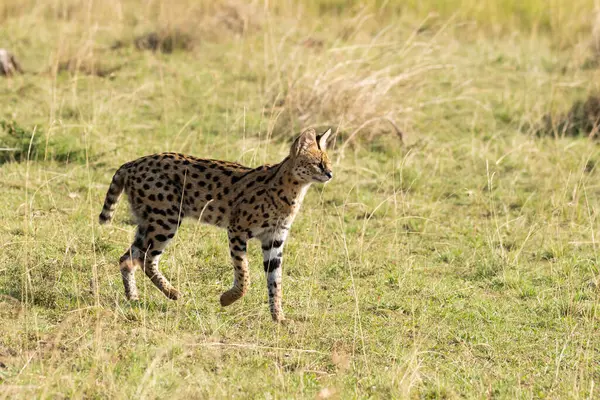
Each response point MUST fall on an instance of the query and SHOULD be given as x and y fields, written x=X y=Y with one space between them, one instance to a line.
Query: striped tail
x=112 y=196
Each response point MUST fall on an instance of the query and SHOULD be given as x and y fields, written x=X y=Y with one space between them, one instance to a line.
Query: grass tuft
x=19 y=144
x=163 y=42
x=583 y=119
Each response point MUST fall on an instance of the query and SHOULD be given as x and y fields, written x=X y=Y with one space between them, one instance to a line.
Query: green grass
x=461 y=263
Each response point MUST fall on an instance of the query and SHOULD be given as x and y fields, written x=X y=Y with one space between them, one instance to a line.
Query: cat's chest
x=300 y=196
x=292 y=202
x=288 y=214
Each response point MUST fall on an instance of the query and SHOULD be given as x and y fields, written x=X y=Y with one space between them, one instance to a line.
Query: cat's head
x=310 y=161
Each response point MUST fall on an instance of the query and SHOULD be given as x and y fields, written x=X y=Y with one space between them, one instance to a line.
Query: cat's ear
x=322 y=139
x=303 y=142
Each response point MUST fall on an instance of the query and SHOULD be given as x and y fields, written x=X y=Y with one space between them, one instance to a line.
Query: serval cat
x=260 y=203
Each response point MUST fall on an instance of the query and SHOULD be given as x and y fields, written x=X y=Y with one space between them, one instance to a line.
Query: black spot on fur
x=285 y=199
x=138 y=243
x=275 y=244
x=272 y=265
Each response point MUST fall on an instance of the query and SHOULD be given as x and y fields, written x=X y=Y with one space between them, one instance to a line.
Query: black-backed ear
x=304 y=141
x=322 y=139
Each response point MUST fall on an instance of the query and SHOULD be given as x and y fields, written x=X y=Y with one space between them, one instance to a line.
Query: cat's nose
x=329 y=174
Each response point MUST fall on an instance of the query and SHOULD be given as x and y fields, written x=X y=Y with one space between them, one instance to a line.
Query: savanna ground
x=458 y=262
